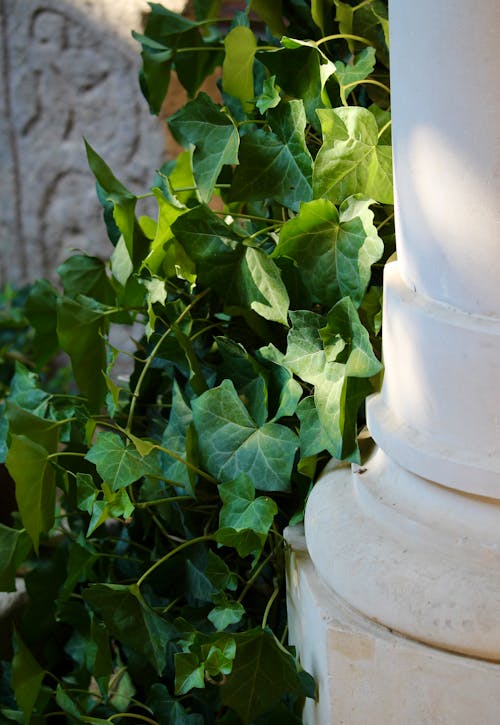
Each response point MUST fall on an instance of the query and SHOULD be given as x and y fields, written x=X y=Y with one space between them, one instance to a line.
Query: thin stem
x=135 y=715
x=172 y=553
x=343 y=36
x=65 y=453
x=238 y=215
x=254 y=576
x=384 y=128
x=187 y=464
x=144 y=196
x=151 y=356
x=159 y=501
x=369 y=81
x=269 y=605
x=383 y=223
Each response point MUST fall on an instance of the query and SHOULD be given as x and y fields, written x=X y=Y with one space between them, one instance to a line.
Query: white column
x=411 y=540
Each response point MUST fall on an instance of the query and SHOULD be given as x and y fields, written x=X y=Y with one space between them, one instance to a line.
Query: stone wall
x=68 y=70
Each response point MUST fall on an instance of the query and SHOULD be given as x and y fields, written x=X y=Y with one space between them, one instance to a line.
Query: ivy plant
x=153 y=490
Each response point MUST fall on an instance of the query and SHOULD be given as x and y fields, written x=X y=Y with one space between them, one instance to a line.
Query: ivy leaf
x=333 y=250
x=284 y=392
x=28 y=464
x=361 y=68
x=118 y=465
x=132 y=621
x=275 y=164
x=40 y=309
x=123 y=205
x=263 y=672
x=270 y=96
x=245 y=277
x=25 y=392
x=225 y=612
x=245 y=542
x=301 y=70
x=219 y=573
x=313 y=438
x=346 y=340
x=231 y=443
x=271 y=14
x=27 y=676
x=189 y=672
x=212 y=132
x=351 y=160
x=241 y=510
x=80 y=327
x=168 y=710
x=237 y=69
x=175 y=438
x=15 y=546
x=86 y=275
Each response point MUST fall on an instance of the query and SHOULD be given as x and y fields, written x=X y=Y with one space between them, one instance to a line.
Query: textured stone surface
x=68 y=70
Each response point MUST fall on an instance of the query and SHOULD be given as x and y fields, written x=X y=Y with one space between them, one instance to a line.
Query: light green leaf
x=313 y=437
x=241 y=510
x=118 y=465
x=333 y=250
x=189 y=672
x=351 y=160
x=275 y=164
x=361 y=68
x=231 y=443
x=132 y=621
x=225 y=612
x=237 y=69
x=270 y=96
x=27 y=676
x=215 y=138
x=219 y=656
x=258 y=286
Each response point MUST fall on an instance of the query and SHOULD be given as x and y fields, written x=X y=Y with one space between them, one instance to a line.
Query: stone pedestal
x=405 y=549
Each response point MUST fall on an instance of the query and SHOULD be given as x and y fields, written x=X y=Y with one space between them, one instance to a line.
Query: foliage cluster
x=152 y=506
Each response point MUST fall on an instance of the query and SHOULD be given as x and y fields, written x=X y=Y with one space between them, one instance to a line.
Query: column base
x=368 y=675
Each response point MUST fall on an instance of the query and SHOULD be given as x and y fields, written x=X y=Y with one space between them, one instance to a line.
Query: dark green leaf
x=14 y=548
x=263 y=672
x=189 y=672
x=230 y=442
x=129 y=619
x=86 y=275
x=80 y=328
x=276 y=164
x=202 y=123
x=175 y=437
x=245 y=542
x=271 y=14
x=40 y=310
x=169 y=711
x=27 y=676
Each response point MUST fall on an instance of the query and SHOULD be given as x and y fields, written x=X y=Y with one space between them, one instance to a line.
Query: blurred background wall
x=68 y=70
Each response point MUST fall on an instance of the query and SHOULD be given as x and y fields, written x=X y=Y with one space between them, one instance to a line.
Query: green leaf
x=301 y=70
x=313 y=436
x=351 y=160
x=118 y=465
x=270 y=96
x=219 y=656
x=237 y=69
x=40 y=309
x=231 y=443
x=346 y=340
x=25 y=391
x=15 y=546
x=361 y=68
x=123 y=204
x=86 y=275
x=263 y=672
x=219 y=573
x=245 y=542
x=225 y=612
x=260 y=288
x=241 y=510
x=175 y=438
x=275 y=164
x=80 y=328
x=169 y=711
x=132 y=621
x=284 y=392
x=189 y=672
x=271 y=14
x=27 y=676
x=333 y=250
x=28 y=464
x=212 y=132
